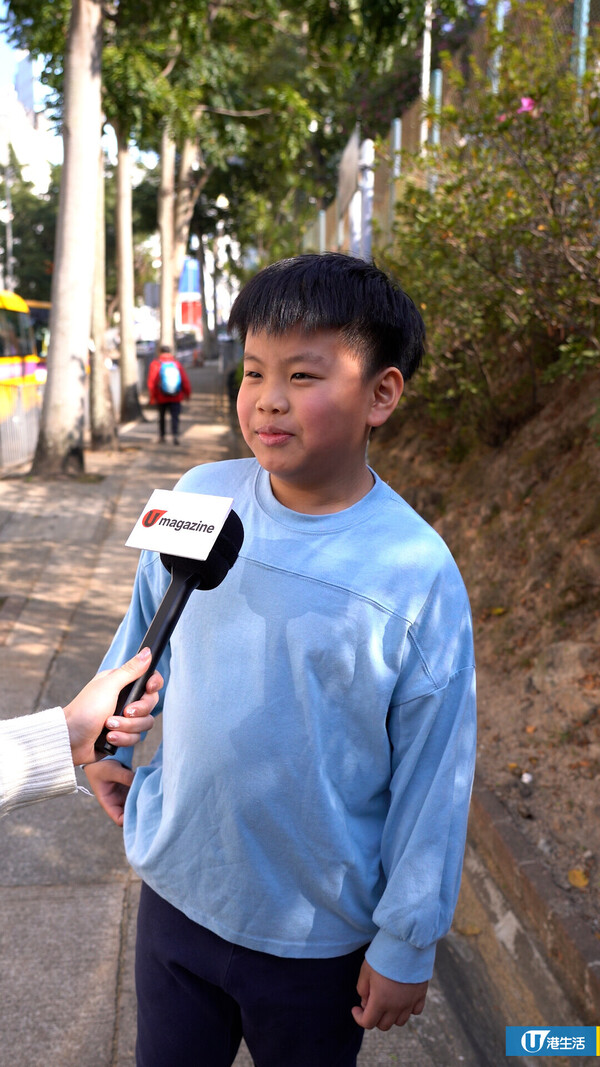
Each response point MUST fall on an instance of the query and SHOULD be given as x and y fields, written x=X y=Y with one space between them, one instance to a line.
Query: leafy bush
x=497 y=231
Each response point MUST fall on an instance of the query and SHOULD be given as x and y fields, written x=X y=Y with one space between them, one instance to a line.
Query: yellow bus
x=22 y=371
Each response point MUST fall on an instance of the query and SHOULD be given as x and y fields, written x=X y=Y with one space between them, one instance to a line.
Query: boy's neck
x=322 y=500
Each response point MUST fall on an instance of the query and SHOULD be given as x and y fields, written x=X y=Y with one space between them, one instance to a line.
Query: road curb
x=572 y=951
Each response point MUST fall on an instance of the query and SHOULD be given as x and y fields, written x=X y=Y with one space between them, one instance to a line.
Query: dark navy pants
x=198 y=995
x=174 y=409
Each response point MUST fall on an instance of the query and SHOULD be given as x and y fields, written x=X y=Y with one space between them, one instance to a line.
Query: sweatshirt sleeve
x=151 y=581
x=432 y=734
x=35 y=759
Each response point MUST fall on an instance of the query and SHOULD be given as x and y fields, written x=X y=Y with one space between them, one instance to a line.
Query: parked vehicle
x=20 y=365
x=18 y=354
x=39 y=312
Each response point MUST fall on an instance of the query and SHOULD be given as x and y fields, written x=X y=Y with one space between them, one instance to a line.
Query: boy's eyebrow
x=305 y=356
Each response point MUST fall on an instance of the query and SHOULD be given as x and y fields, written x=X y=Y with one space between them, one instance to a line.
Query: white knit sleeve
x=35 y=759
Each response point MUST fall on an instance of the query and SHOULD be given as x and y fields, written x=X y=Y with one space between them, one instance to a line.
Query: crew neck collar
x=322 y=523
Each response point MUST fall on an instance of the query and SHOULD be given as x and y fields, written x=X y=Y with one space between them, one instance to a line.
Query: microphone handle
x=167 y=615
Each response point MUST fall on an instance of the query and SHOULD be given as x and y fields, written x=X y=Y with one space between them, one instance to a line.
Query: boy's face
x=305 y=410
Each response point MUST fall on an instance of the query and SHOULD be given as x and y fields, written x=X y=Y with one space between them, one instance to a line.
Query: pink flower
x=527 y=104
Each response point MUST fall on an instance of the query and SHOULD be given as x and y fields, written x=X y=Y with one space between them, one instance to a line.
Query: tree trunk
x=166 y=225
x=209 y=341
x=60 y=443
x=130 y=403
x=191 y=179
x=102 y=416
x=187 y=182
x=215 y=286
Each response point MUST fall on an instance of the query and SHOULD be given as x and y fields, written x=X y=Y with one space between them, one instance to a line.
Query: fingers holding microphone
x=94 y=707
x=137 y=719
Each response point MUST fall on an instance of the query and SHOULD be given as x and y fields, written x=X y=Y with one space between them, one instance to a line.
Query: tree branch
x=231 y=113
x=169 y=67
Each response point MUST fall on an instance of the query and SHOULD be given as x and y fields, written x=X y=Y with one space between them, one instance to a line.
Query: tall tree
x=102 y=418
x=166 y=226
x=130 y=405
x=60 y=443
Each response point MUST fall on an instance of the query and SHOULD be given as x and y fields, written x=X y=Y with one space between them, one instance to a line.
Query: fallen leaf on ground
x=468 y=930
x=578 y=878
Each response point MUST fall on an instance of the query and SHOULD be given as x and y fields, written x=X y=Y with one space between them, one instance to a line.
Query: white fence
x=20 y=410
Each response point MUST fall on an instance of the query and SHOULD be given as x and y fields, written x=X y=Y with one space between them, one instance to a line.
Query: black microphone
x=186 y=575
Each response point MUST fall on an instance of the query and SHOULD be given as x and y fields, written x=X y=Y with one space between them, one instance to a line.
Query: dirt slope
x=523 y=522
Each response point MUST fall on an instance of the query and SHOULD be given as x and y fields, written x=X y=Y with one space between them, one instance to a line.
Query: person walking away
x=168 y=385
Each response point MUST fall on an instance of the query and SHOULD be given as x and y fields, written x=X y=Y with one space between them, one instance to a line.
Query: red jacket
x=155 y=392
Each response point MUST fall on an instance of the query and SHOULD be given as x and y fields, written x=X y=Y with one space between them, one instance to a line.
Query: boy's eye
x=300 y=375
x=251 y=374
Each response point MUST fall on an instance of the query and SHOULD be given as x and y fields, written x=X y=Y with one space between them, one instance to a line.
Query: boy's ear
x=388 y=387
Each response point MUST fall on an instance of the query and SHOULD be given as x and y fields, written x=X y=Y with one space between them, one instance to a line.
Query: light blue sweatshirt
x=311 y=792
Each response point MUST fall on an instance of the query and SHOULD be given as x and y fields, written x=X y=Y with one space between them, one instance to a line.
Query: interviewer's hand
x=93 y=707
x=385 y=1003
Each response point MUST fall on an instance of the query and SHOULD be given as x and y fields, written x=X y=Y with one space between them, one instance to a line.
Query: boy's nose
x=272 y=399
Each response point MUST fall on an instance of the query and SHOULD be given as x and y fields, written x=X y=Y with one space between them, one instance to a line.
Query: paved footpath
x=67 y=897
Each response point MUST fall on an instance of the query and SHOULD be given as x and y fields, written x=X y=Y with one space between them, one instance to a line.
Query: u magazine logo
x=534 y=1040
x=152 y=516
x=187 y=524
x=155 y=515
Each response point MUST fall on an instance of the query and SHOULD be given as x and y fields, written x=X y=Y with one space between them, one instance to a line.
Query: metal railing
x=20 y=410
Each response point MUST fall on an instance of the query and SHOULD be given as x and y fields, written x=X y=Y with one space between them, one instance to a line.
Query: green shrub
x=497 y=232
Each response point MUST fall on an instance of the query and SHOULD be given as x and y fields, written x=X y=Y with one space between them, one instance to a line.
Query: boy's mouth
x=272 y=435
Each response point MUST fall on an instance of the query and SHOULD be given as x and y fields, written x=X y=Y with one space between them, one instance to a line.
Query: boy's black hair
x=334 y=291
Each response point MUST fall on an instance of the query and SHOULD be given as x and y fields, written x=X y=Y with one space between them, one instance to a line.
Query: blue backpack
x=169 y=378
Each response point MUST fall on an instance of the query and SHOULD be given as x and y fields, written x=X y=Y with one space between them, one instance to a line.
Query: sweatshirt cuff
x=399 y=960
x=36 y=759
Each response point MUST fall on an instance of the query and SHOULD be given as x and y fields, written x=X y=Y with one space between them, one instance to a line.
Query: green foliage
x=34 y=224
x=387 y=79
x=41 y=28
x=327 y=67
x=497 y=233
x=269 y=94
x=575 y=356
x=364 y=25
x=242 y=83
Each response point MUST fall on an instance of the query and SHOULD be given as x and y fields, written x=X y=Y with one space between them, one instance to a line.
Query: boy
x=301 y=850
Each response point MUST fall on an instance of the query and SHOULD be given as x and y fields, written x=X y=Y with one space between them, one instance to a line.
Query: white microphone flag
x=180 y=524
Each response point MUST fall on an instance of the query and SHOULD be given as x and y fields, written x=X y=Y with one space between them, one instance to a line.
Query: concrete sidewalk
x=68 y=900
